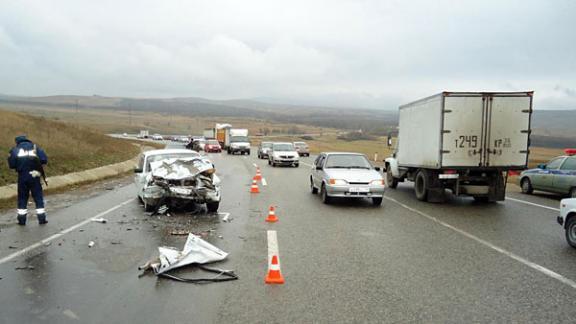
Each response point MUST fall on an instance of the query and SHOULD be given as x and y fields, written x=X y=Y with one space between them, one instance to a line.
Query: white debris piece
x=100 y=220
x=91 y=244
x=196 y=251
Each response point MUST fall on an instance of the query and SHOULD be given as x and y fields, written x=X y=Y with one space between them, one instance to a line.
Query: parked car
x=283 y=154
x=263 y=150
x=557 y=176
x=157 y=137
x=176 y=177
x=567 y=219
x=302 y=148
x=212 y=146
x=346 y=175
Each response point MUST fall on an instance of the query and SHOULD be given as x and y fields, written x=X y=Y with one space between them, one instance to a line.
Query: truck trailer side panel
x=419 y=137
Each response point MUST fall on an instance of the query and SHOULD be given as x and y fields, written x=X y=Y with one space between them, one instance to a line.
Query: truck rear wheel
x=391 y=182
x=421 y=185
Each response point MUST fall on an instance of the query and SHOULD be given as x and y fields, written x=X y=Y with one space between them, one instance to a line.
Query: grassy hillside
x=69 y=148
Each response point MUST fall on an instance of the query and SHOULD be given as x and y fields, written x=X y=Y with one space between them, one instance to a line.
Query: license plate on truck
x=358 y=189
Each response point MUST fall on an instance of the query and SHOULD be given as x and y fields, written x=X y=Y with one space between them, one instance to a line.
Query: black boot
x=42 y=219
x=21 y=219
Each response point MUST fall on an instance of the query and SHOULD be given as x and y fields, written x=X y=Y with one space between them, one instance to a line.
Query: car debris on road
x=196 y=251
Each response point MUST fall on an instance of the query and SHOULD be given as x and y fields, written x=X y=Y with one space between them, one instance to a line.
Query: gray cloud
x=340 y=52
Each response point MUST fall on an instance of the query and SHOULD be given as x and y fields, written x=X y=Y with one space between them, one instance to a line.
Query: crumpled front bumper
x=153 y=194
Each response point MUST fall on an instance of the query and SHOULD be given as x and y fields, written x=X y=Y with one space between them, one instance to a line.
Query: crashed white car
x=176 y=177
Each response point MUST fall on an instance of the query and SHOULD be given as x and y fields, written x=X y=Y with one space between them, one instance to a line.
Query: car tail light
x=450 y=172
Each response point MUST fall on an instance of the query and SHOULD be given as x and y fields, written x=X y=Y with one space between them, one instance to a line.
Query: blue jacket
x=25 y=155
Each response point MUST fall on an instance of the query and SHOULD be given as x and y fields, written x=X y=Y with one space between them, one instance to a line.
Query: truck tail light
x=450 y=172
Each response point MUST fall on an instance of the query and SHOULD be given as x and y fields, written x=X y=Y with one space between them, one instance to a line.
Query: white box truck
x=461 y=141
x=238 y=142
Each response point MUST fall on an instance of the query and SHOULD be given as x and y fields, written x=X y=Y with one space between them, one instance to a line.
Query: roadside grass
x=69 y=148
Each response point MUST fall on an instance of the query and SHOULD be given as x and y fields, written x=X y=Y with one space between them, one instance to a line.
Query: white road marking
x=532 y=204
x=62 y=233
x=255 y=165
x=306 y=164
x=273 y=246
x=264 y=183
x=535 y=266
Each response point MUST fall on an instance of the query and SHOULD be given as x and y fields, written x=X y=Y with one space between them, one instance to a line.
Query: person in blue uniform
x=28 y=160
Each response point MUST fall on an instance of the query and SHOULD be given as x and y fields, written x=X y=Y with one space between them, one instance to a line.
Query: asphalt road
x=405 y=261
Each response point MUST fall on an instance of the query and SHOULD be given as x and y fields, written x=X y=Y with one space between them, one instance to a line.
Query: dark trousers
x=27 y=185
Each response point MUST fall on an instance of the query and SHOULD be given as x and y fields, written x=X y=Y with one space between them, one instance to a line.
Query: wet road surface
x=405 y=261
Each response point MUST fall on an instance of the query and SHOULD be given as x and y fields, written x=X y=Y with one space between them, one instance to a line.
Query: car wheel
x=391 y=182
x=296 y=165
x=526 y=186
x=377 y=201
x=571 y=231
x=212 y=206
x=269 y=163
x=313 y=189
x=149 y=208
x=421 y=185
x=573 y=192
x=324 y=194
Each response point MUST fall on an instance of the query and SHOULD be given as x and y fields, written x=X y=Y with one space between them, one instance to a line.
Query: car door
x=544 y=178
x=317 y=174
x=565 y=176
x=140 y=177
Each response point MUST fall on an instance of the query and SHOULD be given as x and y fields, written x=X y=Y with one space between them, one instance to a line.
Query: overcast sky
x=375 y=54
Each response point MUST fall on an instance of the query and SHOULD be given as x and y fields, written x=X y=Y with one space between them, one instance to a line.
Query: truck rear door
x=462 y=130
x=507 y=130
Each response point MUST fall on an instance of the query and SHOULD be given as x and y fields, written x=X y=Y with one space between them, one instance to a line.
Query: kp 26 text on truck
x=461 y=141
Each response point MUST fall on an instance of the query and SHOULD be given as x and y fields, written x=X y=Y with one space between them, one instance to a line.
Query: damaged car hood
x=180 y=168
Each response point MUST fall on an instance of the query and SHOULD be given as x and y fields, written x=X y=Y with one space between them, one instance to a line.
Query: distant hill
x=554 y=123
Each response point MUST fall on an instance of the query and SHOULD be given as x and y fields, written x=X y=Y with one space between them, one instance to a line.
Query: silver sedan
x=346 y=175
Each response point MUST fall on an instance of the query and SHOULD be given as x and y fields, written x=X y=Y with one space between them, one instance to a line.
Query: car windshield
x=213 y=142
x=283 y=147
x=347 y=161
x=300 y=144
x=266 y=145
x=236 y=139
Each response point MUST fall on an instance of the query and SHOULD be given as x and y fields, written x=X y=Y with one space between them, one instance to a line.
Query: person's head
x=21 y=138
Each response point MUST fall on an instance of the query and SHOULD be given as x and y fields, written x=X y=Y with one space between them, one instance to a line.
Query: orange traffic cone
x=272 y=215
x=274 y=276
x=258 y=176
x=254 y=187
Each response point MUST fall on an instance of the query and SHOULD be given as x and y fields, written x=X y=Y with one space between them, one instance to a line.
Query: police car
x=557 y=176
x=567 y=219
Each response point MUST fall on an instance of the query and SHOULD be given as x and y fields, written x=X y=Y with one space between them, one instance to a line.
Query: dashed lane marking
x=273 y=246
x=61 y=233
x=255 y=165
x=532 y=204
x=535 y=266
x=264 y=183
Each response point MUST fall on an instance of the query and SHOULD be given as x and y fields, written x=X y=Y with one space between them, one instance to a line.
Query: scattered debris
x=179 y=232
x=47 y=243
x=225 y=219
x=91 y=244
x=25 y=268
x=70 y=314
x=196 y=251
x=115 y=242
x=220 y=236
x=162 y=210
x=100 y=220
x=12 y=247
x=128 y=229
x=28 y=291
